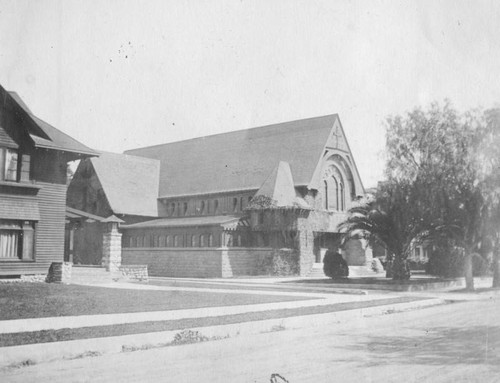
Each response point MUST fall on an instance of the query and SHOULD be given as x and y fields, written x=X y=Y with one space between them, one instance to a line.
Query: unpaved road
x=459 y=342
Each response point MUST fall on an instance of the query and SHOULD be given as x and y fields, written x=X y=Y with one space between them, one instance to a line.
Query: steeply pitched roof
x=240 y=160
x=130 y=183
x=45 y=135
x=280 y=188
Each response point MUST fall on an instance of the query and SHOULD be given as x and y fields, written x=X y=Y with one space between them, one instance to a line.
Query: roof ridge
x=232 y=132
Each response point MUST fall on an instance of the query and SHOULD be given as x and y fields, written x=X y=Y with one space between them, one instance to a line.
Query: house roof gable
x=130 y=183
x=43 y=134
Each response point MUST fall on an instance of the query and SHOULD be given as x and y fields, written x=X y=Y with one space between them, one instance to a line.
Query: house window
x=8 y=165
x=17 y=239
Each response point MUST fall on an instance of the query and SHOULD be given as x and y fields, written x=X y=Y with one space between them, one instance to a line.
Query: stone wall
x=135 y=272
x=196 y=262
x=242 y=261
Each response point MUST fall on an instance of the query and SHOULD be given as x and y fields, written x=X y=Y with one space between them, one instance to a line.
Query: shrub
x=189 y=336
x=377 y=265
x=334 y=266
x=282 y=262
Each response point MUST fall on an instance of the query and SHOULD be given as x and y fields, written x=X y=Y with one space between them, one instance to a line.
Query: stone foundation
x=135 y=272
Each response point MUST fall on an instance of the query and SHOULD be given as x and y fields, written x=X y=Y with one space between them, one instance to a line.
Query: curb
x=46 y=352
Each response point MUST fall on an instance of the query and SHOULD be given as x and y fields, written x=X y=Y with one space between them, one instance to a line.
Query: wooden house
x=33 y=184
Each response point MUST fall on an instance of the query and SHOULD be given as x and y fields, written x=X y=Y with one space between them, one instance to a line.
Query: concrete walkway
x=54 y=323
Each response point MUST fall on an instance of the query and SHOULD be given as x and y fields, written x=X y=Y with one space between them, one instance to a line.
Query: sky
x=121 y=74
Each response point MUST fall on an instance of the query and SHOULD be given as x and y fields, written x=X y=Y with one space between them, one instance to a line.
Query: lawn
x=47 y=336
x=39 y=300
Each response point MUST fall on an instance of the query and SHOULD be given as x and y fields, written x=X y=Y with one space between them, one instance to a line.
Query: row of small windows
x=206 y=207
x=202 y=240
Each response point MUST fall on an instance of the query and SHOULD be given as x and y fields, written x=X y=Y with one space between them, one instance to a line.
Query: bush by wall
x=282 y=262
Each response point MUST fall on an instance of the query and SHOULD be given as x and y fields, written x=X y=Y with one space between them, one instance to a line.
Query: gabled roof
x=130 y=183
x=240 y=160
x=45 y=135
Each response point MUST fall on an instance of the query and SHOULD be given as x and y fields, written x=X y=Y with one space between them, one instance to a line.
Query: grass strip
x=41 y=300
x=47 y=336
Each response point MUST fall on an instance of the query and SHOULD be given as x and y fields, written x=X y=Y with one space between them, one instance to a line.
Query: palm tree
x=390 y=219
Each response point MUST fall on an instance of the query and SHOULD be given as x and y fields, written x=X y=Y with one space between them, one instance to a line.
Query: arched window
x=132 y=242
x=202 y=207
x=210 y=240
x=162 y=241
x=235 y=205
x=216 y=205
x=185 y=208
x=325 y=194
x=176 y=241
x=202 y=241
x=342 y=197
x=193 y=240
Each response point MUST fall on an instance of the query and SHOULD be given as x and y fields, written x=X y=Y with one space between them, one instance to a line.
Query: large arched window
x=333 y=189
x=342 y=197
x=325 y=194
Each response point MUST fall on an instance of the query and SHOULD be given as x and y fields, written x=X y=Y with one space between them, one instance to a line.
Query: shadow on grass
x=439 y=346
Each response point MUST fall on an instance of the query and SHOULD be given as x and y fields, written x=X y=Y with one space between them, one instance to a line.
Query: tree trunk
x=469 y=277
x=400 y=269
x=496 y=269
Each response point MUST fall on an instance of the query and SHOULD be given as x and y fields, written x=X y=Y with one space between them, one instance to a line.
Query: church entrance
x=322 y=242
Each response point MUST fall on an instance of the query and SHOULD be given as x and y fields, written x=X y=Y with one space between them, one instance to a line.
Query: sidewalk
x=317 y=309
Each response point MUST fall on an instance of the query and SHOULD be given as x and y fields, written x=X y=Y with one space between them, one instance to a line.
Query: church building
x=240 y=203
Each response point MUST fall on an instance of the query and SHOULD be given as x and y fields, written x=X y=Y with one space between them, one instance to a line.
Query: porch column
x=112 y=246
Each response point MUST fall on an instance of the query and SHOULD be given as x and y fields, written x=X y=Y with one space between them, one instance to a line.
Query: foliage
x=388 y=220
x=283 y=262
x=443 y=184
x=262 y=202
x=377 y=266
x=334 y=266
x=188 y=337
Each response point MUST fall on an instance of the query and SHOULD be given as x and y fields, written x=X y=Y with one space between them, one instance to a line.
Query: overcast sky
x=122 y=74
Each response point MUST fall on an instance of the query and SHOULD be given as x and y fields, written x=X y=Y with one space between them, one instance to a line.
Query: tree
x=388 y=219
x=435 y=151
x=488 y=163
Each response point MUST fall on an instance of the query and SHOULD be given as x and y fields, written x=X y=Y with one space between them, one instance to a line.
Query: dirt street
x=458 y=342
